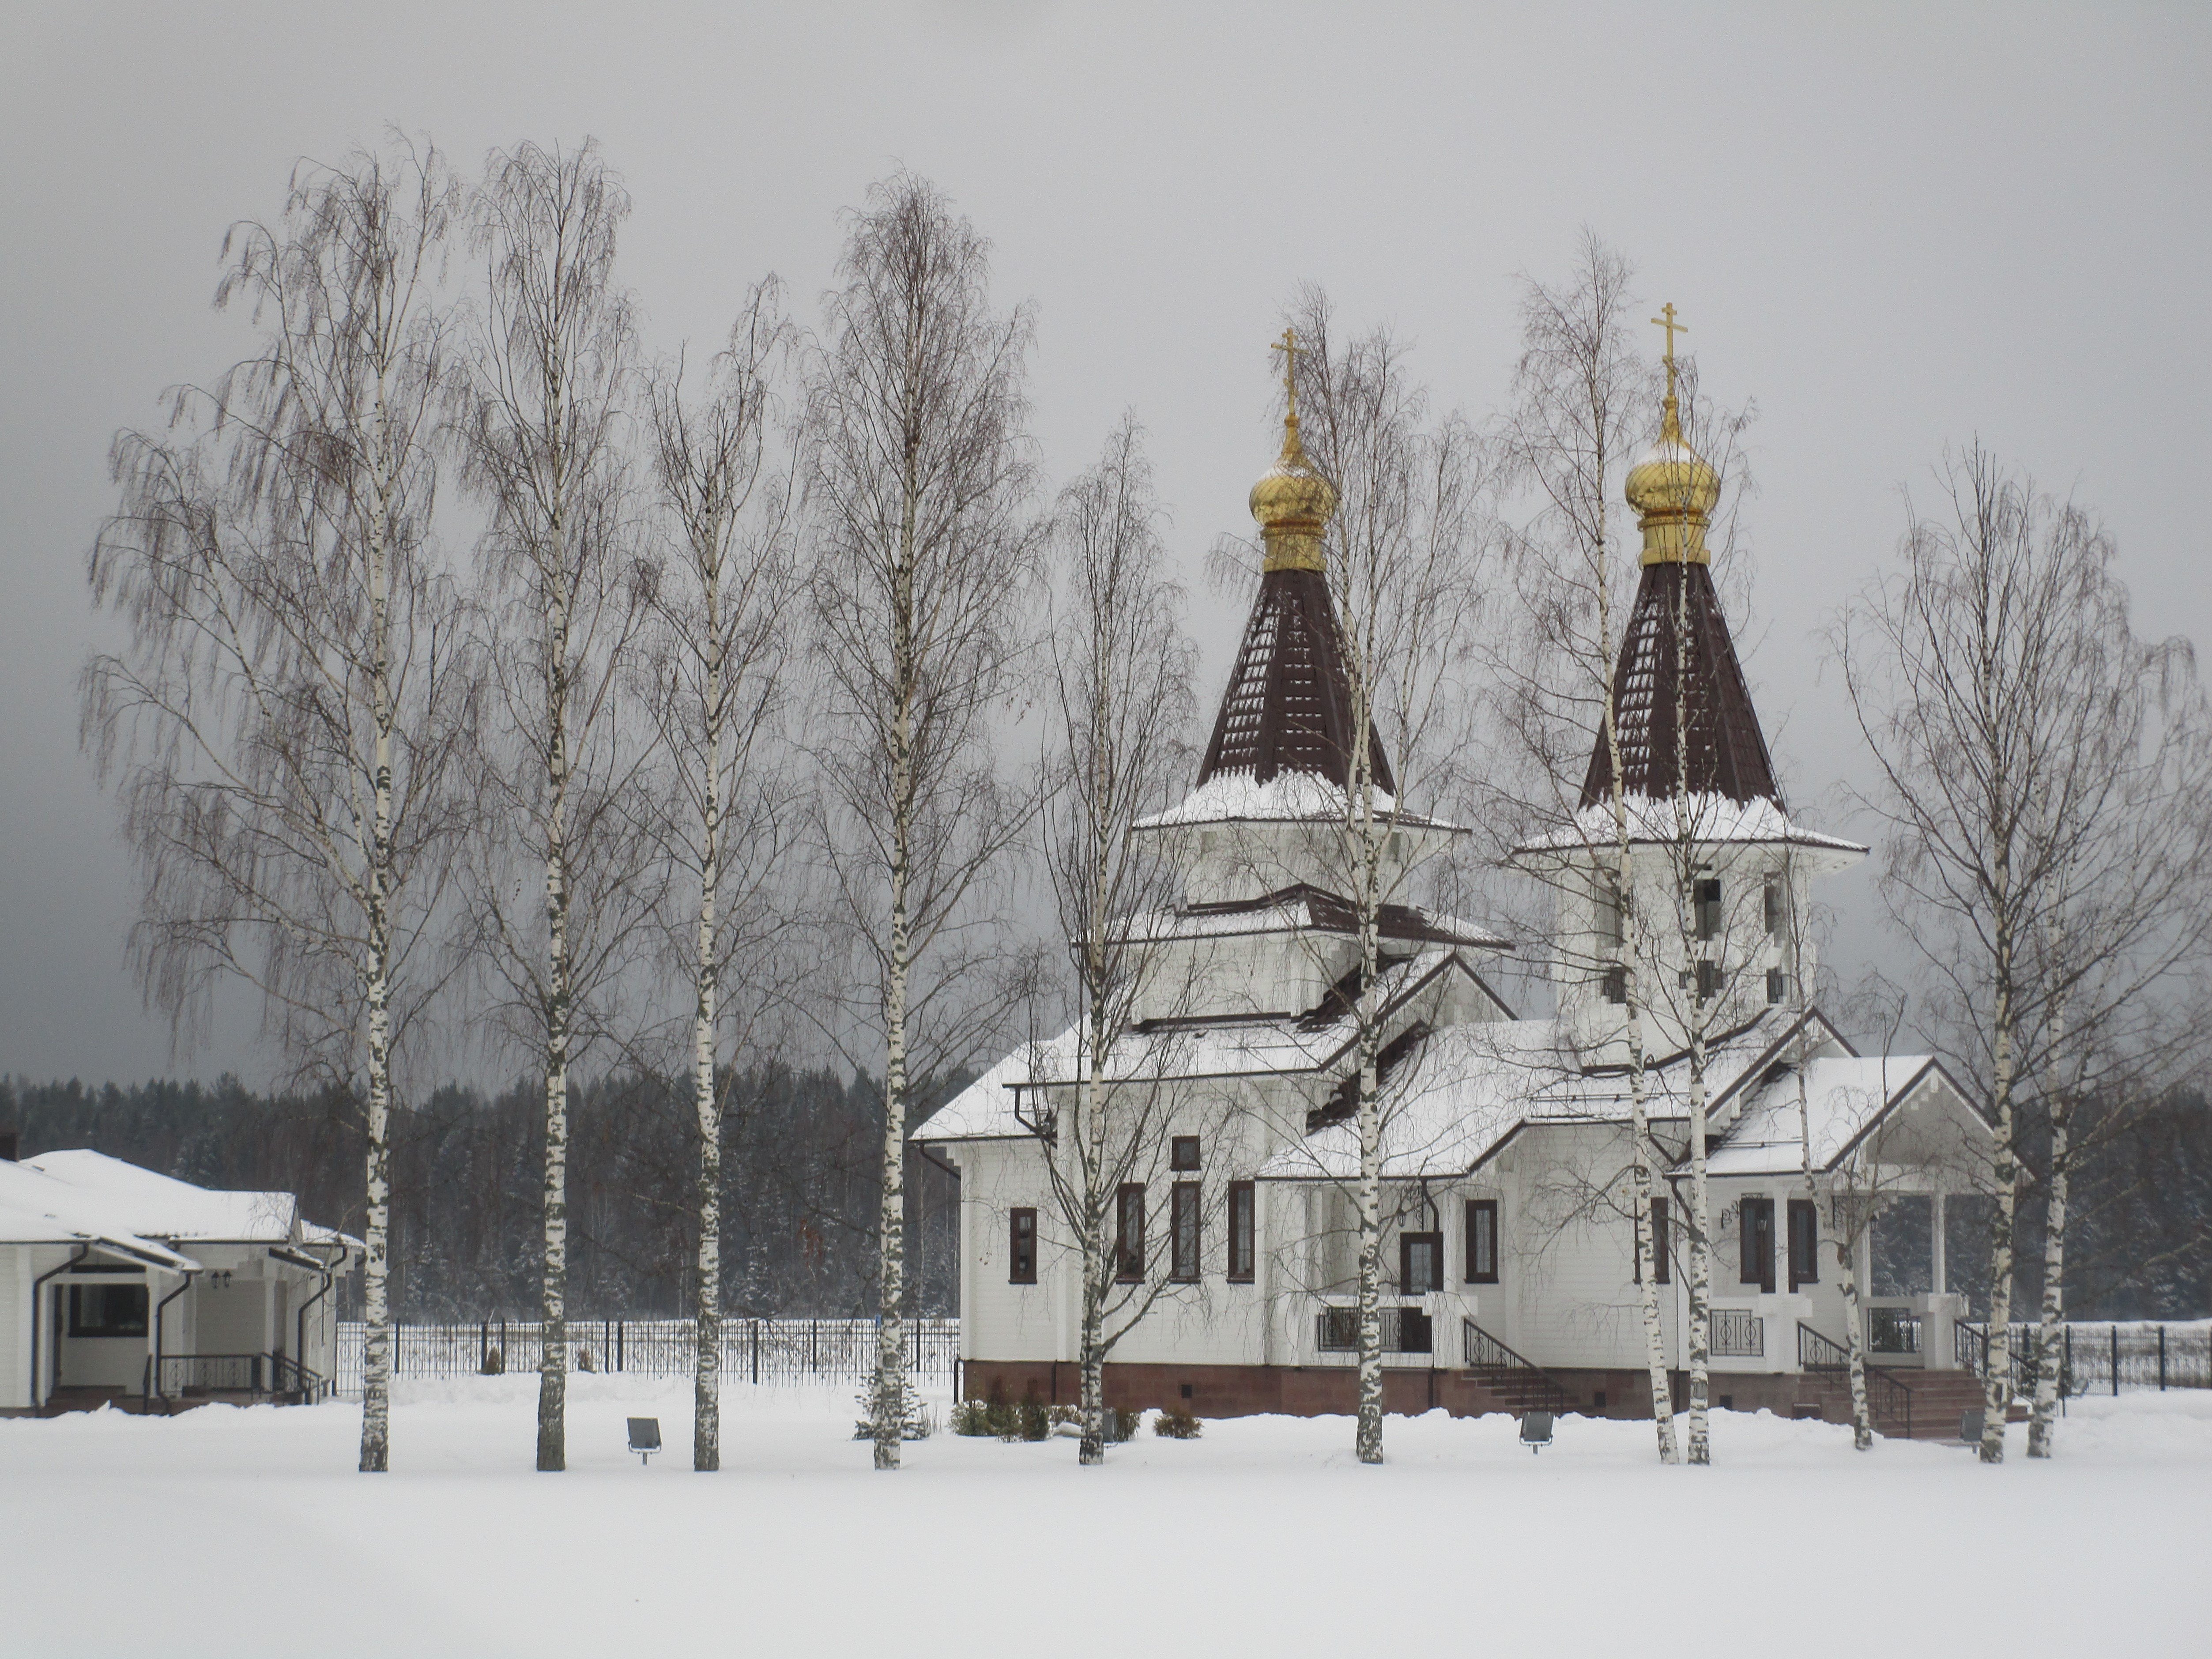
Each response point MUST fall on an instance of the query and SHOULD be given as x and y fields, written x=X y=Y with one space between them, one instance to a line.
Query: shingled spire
x=1288 y=706
x=1676 y=657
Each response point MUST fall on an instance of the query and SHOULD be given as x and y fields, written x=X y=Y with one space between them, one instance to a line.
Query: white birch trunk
x=1847 y=1282
x=376 y=1346
x=891 y=1347
x=553 y=1366
x=1701 y=1264
x=706 y=1318
x=2051 y=1334
x=1997 y=1396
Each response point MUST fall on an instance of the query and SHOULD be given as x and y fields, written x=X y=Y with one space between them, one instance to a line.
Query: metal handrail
x=1817 y=1352
x=1484 y=1352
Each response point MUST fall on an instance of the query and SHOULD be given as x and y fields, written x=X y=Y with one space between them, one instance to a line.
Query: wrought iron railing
x=1737 y=1333
x=182 y=1374
x=1887 y=1394
x=289 y=1376
x=1498 y=1364
x=1404 y=1330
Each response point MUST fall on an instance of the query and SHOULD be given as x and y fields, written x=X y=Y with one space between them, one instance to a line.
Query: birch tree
x=717 y=681
x=1579 y=390
x=1402 y=559
x=1120 y=698
x=925 y=551
x=286 y=719
x=541 y=399
x=2040 y=772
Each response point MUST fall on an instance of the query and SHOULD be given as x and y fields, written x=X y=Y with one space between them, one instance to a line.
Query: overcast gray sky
x=1894 y=227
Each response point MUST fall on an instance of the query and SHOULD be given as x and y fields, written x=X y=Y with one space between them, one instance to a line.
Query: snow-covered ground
x=223 y=1531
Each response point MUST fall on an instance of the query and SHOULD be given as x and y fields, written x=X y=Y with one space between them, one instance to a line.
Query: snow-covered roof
x=163 y=1206
x=1264 y=1045
x=1307 y=909
x=1844 y=1096
x=1445 y=1110
x=1707 y=819
x=1289 y=797
x=37 y=1208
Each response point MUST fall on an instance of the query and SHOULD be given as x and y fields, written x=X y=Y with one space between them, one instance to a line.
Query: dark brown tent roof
x=1288 y=704
x=1726 y=751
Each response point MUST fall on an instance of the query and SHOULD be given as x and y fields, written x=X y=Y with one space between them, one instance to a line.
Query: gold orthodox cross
x=1288 y=345
x=1666 y=320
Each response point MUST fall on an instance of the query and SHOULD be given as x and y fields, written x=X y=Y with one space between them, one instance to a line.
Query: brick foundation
x=1316 y=1390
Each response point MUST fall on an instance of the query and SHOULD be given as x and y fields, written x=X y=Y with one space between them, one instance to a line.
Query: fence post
x=757 y=1349
x=2161 y=1359
x=621 y=1330
x=814 y=1346
x=2115 y=1328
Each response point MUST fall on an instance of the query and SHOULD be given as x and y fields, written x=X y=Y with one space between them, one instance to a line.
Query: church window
x=1183 y=1152
x=1421 y=1263
x=1616 y=985
x=1129 y=1232
x=1709 y=907
x=1804 y=1243
x=1709 y=979
x=1778 y=986
x=1482 y=1241
x=1021 y=1247
x=1774 y=907
x=1757 y=1266
x=1183 y=1221
x=1243 y=1207
x=1662 y=1247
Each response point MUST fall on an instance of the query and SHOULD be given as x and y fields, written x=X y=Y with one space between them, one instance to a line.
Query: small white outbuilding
x=118 y=1285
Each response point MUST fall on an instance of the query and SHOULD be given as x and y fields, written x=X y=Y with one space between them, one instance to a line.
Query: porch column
x=1938 y=1281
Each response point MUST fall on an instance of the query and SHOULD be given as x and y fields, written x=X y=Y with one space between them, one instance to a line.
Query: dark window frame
x=1614 y=980
x=1660 y=1274
x=1774 y=907
x=1777 y=988
x=1482 y=1222
x=1183 y=1152
x=1755 y=1223
x=1129 y=1233
x=1707 y=897
x=1243 y=1231
x=1021 y=1249
x=107 y=1323
x=1186 y=1253
x=1435 y=1279
x=1709 y=979
x=1804 y=1223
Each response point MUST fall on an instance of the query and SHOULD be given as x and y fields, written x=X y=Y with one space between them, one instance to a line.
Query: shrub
x=1035 y=1422
x=494 y=1363
x=1122 y=1425
x=916 y=1422
x=584 y=1361
x=971 y=1417
x=1175 y=1424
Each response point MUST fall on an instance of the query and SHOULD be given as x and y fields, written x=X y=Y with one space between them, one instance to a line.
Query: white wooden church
x=1510 y=1238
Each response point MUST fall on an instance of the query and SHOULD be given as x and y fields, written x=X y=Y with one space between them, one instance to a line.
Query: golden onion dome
x=1674 y=491
x=1292 y=501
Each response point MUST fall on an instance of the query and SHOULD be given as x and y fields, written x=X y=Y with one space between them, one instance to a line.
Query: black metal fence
x=783 y=1352
x=2105 y=1358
